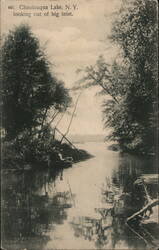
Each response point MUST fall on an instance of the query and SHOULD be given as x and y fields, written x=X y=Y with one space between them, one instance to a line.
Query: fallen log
x=152 y=218
x=144 y=209
x=152 y=179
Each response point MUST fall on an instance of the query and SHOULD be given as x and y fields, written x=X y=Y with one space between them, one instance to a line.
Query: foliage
x=37 y=152
x=131 y=80
x=31 y=99
x=135 y=31
x=29 y=89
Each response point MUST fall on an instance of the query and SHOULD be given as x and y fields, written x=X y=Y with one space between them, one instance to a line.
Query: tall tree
x=131 y=80
x=135 y=31
x=29 y=89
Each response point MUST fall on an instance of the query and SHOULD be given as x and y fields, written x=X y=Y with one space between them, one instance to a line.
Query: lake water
x=83 y=207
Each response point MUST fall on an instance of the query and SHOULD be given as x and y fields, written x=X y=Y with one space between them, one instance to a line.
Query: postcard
x=79 y=122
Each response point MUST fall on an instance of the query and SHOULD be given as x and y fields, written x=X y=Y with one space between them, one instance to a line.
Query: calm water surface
x=83 y=207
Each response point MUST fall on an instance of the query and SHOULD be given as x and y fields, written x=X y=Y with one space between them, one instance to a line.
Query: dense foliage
x=29 y=88
x=32 y=97
x=135 y=31
x=131 y=80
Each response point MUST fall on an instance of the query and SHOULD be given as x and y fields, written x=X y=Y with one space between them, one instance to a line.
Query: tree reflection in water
x=120 y=198
x=32 y=208
x=28 y=212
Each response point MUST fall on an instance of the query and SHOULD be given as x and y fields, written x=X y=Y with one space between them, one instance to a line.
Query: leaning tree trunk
x=72 y=116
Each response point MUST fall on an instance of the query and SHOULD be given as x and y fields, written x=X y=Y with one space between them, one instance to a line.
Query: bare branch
x=73 y=113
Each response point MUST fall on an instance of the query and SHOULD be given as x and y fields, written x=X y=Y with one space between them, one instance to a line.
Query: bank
x=40 y=153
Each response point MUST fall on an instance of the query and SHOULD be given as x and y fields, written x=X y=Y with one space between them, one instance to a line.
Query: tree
x=131 y=80
x=29 y=89
x=135 y=31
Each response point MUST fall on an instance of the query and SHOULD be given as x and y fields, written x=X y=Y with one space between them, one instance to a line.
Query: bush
x=39 y=152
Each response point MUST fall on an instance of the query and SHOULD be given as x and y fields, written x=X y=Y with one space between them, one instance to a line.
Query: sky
x=71 y=42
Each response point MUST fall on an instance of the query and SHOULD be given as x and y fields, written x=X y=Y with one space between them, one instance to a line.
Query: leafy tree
x=135 y=31
x=131 y=80
x=29 y=89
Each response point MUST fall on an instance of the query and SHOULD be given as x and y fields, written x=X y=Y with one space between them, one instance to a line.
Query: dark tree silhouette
x=131 y=80
x=29 y=89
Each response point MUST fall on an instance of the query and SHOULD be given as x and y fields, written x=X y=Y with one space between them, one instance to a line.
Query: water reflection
x=84 y=207
x=120 y=198
x=109 y=230
x=28 y=212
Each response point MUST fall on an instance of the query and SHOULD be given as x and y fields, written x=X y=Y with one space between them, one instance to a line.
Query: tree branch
x=98 y=81
x=71 y=117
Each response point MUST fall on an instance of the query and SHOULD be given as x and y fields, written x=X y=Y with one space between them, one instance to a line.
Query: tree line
x=131 y=80
x=32 y=98
x=30 y=90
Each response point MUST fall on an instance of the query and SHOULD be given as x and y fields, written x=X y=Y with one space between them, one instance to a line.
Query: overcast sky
x=72 y=42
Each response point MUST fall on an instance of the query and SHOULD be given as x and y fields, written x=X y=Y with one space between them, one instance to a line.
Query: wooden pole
x=72 y=116
x=66 y=138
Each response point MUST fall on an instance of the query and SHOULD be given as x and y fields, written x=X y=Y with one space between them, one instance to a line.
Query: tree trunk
x=144 y=209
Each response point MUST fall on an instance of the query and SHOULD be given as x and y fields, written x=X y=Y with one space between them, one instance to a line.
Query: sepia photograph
x=79 y=125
